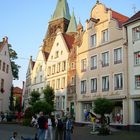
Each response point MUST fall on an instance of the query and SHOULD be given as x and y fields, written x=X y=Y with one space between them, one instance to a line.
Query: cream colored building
x=132 y=27
x=35 y=77
x=38 y=72
x=57 y=67
x=102 y=64
x=6 y=77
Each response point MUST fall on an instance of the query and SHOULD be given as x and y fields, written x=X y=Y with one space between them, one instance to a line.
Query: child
x=14 y=136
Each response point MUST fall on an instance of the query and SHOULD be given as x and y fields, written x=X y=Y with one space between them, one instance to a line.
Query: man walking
x=41 y=124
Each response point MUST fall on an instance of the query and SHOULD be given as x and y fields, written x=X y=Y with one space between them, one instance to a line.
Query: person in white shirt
x=50 y=129
x=14 y=136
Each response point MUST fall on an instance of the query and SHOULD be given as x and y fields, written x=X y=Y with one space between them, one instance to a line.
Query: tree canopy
x=103 y=106
x=15 y=67
x=34 y=97
x=49 y=95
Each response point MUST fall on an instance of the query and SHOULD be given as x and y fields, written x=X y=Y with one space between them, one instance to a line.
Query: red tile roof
x=69 y=40
x=46 y=55
x=17 y=90
x=119 y=17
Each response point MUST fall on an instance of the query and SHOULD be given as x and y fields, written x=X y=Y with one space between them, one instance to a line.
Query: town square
x=69 y=70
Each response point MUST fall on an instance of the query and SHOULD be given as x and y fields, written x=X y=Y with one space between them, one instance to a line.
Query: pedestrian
x=41 y=126
x=34 y=121
x=59 y=128
x=13 y=137
x=46 y=131
x=50 y=128
x=69 y=128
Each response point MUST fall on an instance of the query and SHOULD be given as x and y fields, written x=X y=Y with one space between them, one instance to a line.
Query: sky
x=25 y=23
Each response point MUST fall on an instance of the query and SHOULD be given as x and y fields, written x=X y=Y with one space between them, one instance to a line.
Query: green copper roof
x=72 y=25
x=62 y=10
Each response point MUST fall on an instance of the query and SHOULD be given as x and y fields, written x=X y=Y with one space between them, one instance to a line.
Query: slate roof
x=62 y=10
x=133 y=18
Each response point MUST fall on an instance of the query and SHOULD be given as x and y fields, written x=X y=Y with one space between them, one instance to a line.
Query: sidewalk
x=83 y=133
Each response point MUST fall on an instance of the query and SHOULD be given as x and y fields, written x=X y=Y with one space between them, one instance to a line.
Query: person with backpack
x=59 y=128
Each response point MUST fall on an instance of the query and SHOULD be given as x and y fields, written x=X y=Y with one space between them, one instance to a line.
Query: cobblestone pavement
x=80 y=133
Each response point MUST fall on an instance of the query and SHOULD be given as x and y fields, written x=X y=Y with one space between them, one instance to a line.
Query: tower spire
x=97 y=1
x=61 y=10
x=72 y=25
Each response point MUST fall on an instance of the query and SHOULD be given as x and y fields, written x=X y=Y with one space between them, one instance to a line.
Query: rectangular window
x=93 y=62
x=105 y=59
x=58 y=67
x=53 y=69
x=105 y=36
x=136 y=33
x=0 y=64
x=137 y=81
x=72 y=65
x=93 y=40
x=56 y=54
x=2 y=84
x=117 y=55
x=7 y=69
x=35 y=80
x=41 y=68
x=63 y=65
x=93 y=85
x=72 y=80
x=63 y=82
x=137 y=58
x=53 y=84
x=118 y=81
x=58 y=84
x=40 y=78
x=83 y=65
x=63 y=102
x=83 y=87
x=3 y=68
x=105 y=83
x=49 y=71
x=137 y=111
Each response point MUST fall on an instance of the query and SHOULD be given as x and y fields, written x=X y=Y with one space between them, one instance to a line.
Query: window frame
x=93 y=85
x=105 y=87
x=118 y=81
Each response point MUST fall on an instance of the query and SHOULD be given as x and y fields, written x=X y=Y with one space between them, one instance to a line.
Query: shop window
x=137 y=111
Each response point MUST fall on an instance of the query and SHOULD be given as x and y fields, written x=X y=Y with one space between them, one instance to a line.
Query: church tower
x=59 y=21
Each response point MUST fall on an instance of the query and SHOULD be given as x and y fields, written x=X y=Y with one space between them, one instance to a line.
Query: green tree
x=17 y=104
x=14 y=66
x=35 y=96
x=42 y=106
x=103 y=106
x=11 y=98
x=49 y=95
